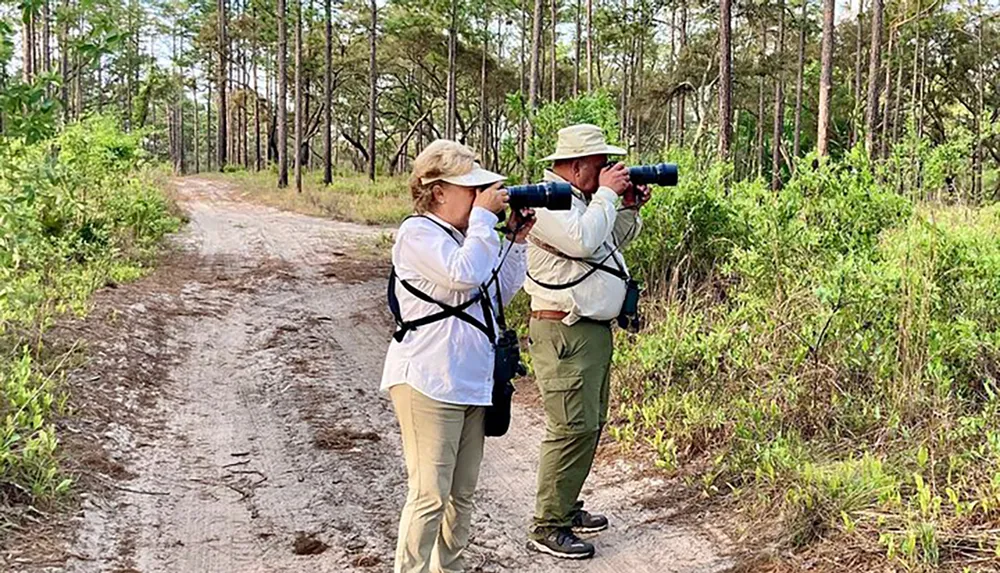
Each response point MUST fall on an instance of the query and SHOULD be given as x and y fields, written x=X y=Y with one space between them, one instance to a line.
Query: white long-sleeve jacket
x=450 y=360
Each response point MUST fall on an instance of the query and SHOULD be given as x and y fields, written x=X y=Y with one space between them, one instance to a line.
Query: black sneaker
x=561 y=543
x=586 y=522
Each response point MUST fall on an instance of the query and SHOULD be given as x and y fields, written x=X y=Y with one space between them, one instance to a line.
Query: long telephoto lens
x=664 y=174
x=553 y=195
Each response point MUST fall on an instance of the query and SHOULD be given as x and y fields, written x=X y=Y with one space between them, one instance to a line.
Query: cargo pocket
x=564 y=405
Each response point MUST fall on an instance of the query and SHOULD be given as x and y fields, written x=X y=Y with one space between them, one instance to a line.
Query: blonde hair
x=441 y=158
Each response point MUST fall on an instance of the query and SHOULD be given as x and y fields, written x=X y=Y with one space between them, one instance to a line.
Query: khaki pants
x=443 y=447
x=573 y=369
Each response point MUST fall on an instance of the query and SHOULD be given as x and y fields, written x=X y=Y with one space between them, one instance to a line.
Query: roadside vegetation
x=825 y=357
x=78 y=211
x=351 y=197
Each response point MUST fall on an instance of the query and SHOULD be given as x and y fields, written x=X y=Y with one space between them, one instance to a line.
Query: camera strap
x=617 y=270
x=447 y=311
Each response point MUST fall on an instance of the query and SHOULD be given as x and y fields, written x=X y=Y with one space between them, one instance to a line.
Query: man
x=577 y=281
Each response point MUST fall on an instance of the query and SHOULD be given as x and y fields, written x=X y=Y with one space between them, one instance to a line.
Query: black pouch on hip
x=629 y=318
x=506 y=366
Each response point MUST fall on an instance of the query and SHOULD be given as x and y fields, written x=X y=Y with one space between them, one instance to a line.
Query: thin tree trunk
x=452 y=101
x=46 y=37
x=668 y=128
x=180 y=129
x=897 y=110
x=131 y=62
x=522 y=124
x=78 y=76
x=373 y=81
x=299 y=103
x=536 y=48
x=759 y=146
x=197 y=127
x=208 y=118
x=797 y=135
x=590 y=46
x=887 y=100
x=555 y=39
x=858 y=51
x=223 y=86
x=638 y=82
x=328 y=99
x=726 y=78
x=913 y=104
x=282 y=103
x=258 y=160
x=484 y=109
x=779 y=104
x=825 y=80
x=64 y=63
x=245 y=111
x=28 y=47
x=576 y=58
x=171 y=104
x=980 y=94
x=682 y=102
x=874 y=70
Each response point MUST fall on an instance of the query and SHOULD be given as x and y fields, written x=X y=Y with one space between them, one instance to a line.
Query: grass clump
x=349 y=198
x=829 y=354
x=76 y=213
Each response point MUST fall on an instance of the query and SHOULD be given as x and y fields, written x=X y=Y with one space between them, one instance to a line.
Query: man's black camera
x=553 y=195
x=664 y=174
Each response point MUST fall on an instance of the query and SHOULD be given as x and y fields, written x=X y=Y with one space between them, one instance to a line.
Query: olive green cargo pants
x=573 y=369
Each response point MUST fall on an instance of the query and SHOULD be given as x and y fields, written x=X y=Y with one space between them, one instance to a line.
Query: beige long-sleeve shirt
x=587 y=231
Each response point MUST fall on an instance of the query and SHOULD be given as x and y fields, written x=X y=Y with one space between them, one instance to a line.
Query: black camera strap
x=485 y=326
x=617 y=270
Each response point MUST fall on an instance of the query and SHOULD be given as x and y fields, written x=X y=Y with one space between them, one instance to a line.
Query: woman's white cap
x=478 y=177
x=582 y=140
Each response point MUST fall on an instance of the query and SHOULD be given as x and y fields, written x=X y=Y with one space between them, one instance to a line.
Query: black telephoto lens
x=553 y=195
x=664 y=174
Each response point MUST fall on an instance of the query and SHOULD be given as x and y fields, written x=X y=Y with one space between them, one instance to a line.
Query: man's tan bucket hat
x=582 y=140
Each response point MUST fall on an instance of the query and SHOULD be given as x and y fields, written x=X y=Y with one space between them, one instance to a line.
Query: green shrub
x=831 y=347
x=76 y=212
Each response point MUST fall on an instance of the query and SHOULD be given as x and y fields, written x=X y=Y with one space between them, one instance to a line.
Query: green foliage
x=598 y=109
x=823 y=345
x=30 y=112
x=75 y=214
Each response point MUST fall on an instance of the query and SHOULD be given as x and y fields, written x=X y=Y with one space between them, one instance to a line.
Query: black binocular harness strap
x=594 y=267
x=447 y=310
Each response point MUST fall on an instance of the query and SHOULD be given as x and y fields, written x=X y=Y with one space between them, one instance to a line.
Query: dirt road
x=258 y=440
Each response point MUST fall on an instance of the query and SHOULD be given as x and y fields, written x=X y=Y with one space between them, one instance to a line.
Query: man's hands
x=636 y=197
x=494 y=198
x=615 y=178
x=522 y=221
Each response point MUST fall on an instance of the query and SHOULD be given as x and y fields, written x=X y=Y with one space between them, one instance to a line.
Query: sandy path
x=268 y=425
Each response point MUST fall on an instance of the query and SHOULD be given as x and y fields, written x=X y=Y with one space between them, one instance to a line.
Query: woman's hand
x=522 y=221
x=494 y=198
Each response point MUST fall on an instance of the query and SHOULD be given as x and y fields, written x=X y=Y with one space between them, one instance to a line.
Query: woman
x=439 y=371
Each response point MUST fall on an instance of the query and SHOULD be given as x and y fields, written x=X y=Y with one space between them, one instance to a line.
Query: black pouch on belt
x=629 y=318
